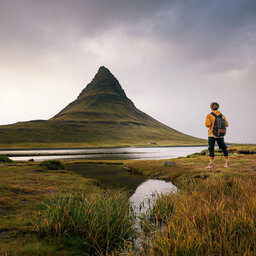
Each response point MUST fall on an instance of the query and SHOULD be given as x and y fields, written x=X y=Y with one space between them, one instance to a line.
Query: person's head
x=214 y=106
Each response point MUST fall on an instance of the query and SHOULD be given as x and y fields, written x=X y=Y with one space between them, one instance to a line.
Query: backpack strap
x=213 y=114
x=216 y=115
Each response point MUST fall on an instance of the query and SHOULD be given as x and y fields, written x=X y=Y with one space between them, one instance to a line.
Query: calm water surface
x=102 y=153
x=146 y=192
x=142 y=190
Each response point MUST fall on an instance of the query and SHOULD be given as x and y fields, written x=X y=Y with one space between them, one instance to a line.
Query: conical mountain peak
x=104 y=82
x=102 y=97
x=103 y=73
x=104 y=70
x=102 y=115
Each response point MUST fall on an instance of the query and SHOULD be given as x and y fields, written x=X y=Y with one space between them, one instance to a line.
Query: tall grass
x=214 y=217
x=101 y=219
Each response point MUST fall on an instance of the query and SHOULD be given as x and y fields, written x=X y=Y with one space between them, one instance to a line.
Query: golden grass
x=214 y=212
x=216 y=216
x=102 y=219
x=23 y=188
x=193 y=167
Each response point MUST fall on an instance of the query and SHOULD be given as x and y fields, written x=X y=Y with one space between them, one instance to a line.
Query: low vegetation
x=53 y=165
x=57 y=212
x=193 y=166
x=5 y=159
x=216 y=216
x=101 y=220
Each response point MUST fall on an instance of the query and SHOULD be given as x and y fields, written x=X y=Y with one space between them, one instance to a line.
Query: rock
x=169 y=163
x=31 y=160
x=128 y=169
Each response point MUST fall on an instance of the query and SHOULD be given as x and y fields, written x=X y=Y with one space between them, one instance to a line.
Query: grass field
x=72 y=134
x=42 y=212
x=214 y=212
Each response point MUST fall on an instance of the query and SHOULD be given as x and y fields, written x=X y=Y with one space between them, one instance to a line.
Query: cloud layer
x=172 y=57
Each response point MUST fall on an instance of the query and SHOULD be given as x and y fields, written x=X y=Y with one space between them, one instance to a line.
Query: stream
x=142 y=190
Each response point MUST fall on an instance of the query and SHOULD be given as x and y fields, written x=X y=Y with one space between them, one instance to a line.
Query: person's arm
x=208 y=121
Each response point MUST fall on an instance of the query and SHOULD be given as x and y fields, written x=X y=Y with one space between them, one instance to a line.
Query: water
x=145 y=194
x=112 y=176
x=142 y=190
x=128 y=153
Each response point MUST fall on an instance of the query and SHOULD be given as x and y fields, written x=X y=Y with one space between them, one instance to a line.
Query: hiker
x=214 y=136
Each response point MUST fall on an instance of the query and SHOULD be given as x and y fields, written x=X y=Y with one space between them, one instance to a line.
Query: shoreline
x=131 y=153
x=81 y=148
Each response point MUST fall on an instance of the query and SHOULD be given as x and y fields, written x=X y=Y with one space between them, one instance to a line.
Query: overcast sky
x=172 y=58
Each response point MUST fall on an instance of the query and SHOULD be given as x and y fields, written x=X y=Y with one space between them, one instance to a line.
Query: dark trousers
x=221 y=144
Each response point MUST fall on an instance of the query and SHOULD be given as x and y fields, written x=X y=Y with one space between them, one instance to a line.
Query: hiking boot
x=227 y=165
x=210 y=166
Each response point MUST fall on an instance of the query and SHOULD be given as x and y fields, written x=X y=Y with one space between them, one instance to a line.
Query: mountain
x=102 y=115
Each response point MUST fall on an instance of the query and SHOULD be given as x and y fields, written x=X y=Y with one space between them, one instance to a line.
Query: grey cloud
x=33 y=29
x=210 y=32
x=175 y=49
x=194 y=31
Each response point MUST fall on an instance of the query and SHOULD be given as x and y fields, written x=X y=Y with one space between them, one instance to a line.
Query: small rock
x=169 y=163
x=127 y=169
x=31 y=160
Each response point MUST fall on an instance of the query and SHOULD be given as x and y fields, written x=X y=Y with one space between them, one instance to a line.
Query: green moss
x=5 y=159
x=53 y=165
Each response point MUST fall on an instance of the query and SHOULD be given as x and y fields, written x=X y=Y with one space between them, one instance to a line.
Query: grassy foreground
x=214 y=212
x=56 y=212
x=215 y=217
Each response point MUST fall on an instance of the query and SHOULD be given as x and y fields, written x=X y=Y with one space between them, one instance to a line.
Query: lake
x=125 y=153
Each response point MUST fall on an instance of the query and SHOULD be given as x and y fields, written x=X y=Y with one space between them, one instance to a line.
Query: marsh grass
x=53 y=165
x=5 y=159
x=101 y=219
x=214 y=217
x=213 y=213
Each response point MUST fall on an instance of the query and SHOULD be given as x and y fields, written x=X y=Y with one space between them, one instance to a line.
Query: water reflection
x=102 y=153
x=109 y=175
x=145 y=194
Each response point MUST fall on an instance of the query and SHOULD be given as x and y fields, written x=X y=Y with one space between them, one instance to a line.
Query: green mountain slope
x=102 y=115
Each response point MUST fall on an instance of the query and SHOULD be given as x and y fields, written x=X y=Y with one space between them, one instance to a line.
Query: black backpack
x=219 y=128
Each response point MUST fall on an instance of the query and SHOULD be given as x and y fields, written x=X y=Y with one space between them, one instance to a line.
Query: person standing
x=209 y=123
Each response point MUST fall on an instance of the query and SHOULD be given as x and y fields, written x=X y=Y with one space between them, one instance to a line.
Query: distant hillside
x=102 y=115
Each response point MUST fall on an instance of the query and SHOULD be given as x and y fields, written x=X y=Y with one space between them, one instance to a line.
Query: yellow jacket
x=209 y=122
